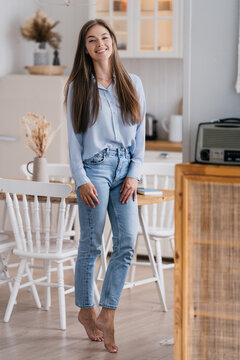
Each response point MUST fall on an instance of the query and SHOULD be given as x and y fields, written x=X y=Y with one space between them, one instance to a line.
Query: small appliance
x=151 y=127
x=218 y=142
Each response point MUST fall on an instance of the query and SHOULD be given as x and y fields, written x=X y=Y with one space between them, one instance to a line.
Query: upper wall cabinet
x=144 y=28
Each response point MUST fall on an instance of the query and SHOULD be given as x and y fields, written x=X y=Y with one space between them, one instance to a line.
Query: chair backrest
x=59 y=172
x=158 y=175
x=62 y=173
x=32 y=235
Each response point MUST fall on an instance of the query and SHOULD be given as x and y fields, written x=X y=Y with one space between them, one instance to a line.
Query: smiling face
x=98 y=43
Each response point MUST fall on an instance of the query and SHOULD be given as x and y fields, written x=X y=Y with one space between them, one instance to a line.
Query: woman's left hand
x=128 y=189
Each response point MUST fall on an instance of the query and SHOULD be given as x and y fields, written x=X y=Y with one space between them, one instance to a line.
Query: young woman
x=106 y=133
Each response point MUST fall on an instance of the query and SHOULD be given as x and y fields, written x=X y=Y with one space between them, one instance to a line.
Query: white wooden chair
x=61 y=173
x=33 y=241
x=159 y=219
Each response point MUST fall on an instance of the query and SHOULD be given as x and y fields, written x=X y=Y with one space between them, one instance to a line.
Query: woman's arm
x=86 y=189
x=129 y=187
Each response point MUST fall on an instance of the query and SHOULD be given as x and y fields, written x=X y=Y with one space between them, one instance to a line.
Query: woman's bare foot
x=105 y=322
x=87 y=317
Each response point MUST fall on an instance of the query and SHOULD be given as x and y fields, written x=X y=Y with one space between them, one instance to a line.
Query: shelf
x=163 y=145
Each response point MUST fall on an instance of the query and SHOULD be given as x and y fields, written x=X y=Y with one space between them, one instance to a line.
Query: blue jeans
x=107 y=171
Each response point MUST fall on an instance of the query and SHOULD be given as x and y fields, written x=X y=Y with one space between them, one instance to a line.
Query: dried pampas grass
x=37 y=133
x=39 y=28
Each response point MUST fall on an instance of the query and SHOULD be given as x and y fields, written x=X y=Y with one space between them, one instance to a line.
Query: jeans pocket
x=96 y=159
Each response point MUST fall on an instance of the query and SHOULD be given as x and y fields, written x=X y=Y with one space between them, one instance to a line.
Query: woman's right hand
x=88 y=194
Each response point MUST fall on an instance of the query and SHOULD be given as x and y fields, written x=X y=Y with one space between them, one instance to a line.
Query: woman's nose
x=100 y=42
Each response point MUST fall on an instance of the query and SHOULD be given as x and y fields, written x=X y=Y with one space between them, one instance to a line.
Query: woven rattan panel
x=213 y=271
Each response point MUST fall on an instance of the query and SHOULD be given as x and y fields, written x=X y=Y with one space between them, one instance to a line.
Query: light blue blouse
x=109 y=131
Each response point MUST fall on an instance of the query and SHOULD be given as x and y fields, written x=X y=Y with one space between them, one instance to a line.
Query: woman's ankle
x=107 y=314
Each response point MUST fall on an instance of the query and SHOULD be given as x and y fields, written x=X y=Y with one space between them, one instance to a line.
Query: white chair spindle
x=27 y=224
x=62 y=207
x=72 y=215
x=47 y=224
x=66 y=215
x=37 y=224
x=19 y=221
x=14 y=222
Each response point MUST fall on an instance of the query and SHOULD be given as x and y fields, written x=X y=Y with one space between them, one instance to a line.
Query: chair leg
x=160 y=267
x=47 y=271
x=33 y=287
x=15 y=289
x=61 y=296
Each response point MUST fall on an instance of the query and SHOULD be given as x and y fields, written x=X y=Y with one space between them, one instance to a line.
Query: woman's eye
x=91 y=41
x=105 y=38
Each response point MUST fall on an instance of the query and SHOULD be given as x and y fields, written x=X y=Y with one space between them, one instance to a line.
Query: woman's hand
x=129 y=188
x=88 y=194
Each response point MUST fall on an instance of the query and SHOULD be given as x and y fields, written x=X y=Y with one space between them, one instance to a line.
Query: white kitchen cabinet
x=20 y=94
x=144 y=28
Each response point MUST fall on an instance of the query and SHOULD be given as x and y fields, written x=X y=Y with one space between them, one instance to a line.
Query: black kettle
x=151 y=127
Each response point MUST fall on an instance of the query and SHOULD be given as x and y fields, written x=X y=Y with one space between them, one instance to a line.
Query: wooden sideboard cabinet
x=207 y=262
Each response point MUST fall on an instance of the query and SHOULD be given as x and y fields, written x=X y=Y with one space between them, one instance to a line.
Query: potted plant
x=39 y=28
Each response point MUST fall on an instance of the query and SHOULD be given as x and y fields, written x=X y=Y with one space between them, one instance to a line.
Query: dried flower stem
x=37 y=133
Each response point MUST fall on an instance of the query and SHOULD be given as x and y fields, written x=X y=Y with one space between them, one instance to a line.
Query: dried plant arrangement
x=39 y=28
x=37 y=133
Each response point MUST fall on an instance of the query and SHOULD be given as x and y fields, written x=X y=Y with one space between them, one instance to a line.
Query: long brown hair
x=83 y=89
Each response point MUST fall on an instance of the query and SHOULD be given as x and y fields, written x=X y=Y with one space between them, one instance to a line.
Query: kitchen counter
x=163 y=145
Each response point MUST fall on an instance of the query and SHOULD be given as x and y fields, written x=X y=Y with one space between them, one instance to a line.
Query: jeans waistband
x=118 y=151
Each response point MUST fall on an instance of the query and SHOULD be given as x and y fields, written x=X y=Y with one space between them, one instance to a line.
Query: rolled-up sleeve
x=138 y=153
x=75 y=147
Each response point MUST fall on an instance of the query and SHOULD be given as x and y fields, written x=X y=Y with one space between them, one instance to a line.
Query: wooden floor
x=140 y=327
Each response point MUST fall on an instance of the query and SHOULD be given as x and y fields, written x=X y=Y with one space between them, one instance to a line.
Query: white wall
x=15 y=52
x=210 y=65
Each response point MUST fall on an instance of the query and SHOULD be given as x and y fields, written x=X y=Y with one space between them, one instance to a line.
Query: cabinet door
x=115 y=13
x=157 y=26
x=144 y=28
x=210 y=252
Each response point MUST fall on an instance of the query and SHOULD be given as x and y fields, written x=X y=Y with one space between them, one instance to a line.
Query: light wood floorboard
x=33 y=334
